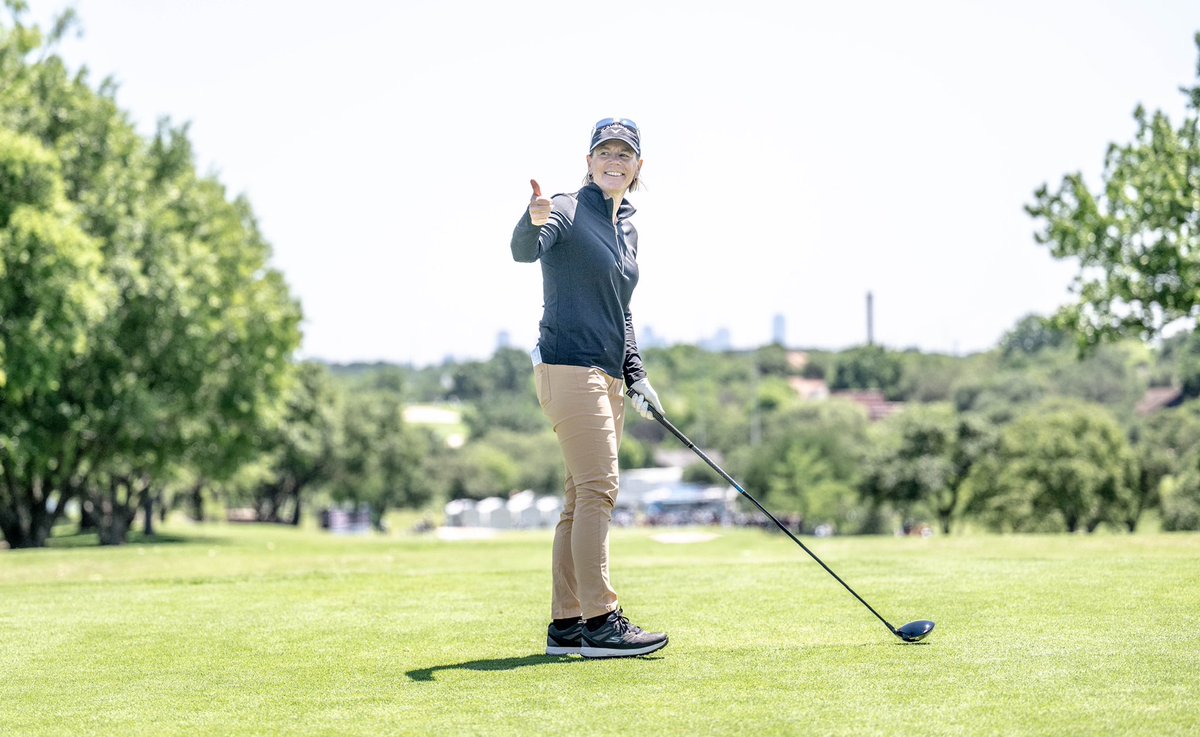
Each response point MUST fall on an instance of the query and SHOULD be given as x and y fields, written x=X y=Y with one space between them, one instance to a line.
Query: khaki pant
x=587 y=410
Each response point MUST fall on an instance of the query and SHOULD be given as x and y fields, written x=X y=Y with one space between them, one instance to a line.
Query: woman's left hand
x=643 y=394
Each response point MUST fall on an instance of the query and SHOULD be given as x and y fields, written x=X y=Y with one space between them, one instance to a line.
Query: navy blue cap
x=617 y=129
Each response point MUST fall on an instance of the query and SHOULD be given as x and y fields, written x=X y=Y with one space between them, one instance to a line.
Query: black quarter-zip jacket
x=589 y=270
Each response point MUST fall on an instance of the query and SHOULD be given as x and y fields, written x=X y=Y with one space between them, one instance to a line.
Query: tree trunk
x=116 y=514
x=114 y=528
x=148 y=514
x=296 y=508
x=89 y=520
x=196 y=497
x=15 y=534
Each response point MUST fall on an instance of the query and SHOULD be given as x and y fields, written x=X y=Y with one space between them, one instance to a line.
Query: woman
x=586 y=349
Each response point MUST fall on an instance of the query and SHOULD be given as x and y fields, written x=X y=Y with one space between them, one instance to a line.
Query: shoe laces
x=621 y=623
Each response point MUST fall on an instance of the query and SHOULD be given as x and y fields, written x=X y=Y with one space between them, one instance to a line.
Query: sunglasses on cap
x=600 y=124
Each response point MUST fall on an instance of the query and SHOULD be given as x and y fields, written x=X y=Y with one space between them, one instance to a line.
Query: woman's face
x=613 y=166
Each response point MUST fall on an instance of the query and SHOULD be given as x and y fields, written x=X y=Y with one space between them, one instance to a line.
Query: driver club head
x=915 y=631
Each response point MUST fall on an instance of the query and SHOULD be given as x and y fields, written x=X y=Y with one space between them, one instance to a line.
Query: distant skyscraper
x=503 y=340
x=870 y=319
x=647 y=338
x=719 y=342
x=779 y=330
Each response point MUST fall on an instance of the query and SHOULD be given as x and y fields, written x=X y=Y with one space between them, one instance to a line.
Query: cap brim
x=624 y=138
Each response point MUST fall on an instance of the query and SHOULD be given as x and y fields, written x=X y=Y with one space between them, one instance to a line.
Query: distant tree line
x=1026 y=437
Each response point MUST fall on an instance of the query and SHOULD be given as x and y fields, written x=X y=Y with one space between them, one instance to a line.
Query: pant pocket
x=542 y=384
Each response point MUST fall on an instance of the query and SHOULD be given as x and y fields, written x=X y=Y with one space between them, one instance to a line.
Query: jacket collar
x=595 y=198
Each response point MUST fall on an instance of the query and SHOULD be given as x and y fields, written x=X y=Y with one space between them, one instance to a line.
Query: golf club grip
x=712 y=464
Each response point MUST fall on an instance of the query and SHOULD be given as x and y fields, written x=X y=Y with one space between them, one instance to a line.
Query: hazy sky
x=798 y=154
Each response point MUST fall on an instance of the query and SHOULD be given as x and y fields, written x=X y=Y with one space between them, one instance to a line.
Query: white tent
x=522 y=508
x=461 y=513
x=549 y=509
x=493 y=512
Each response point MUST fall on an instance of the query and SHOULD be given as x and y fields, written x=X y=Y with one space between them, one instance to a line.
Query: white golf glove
x=643 y=394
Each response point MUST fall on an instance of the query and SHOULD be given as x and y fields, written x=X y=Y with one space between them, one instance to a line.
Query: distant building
x=1158 y=398
x=779 y=330
x=719 y=342
x=809 y=389
x=647 y=338
x=797 y=361
x=873 y=401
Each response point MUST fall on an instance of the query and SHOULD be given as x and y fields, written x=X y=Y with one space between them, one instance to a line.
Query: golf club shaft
x=704 y=457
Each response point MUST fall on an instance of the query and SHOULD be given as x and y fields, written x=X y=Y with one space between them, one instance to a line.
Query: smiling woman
x=587 y=347
x=615 y=161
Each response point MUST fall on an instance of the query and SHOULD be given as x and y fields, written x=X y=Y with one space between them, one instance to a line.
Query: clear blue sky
x=797 y=154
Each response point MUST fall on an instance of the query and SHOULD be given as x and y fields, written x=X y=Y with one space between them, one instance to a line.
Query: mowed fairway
x=262 y=631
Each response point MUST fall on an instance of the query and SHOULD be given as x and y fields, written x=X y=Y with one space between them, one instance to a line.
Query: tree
x=867 y=367
x=1167 y=446
x=299 y=451
x=1031 y=335
x=183 y=335
x=52 y=296
x=481 y=470
x=921 y=457
x=1137 y=239
x=1187 y=363
x=808 y=463
x=379 y=461
x=1111 y=374
x=1065 y=464
x=1180 y=497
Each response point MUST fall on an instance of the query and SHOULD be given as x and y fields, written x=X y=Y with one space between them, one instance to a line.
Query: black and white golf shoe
x=564 y=641
x=617 y=638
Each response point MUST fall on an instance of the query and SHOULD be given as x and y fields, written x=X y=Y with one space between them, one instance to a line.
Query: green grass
x=233 y=630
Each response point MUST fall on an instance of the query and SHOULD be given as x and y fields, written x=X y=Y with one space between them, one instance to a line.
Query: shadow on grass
x=91 y=540
x=494 y=664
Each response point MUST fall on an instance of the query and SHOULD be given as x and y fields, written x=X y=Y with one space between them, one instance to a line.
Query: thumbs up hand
x=539 y=206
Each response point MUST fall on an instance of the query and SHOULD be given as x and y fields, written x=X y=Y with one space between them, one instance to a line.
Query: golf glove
x=643 y=394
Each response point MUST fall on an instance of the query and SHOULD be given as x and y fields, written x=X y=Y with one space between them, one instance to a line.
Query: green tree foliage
x=930 y=377
x=169 y=340
x=1000 y=393
x=1032 y=335
x=379 y=461
x=808 y=463
x=1113 y=375
x=53 y=296
x=633 y=453
x=920 y=458
x=1181 y=497
x=1167 y=446
x=299 y=452
x=867 y=367
x=1184 y=358
x=1136 y=240
x=772 y=360
x=537 y=458
x=480 y=470
x=1065 y=464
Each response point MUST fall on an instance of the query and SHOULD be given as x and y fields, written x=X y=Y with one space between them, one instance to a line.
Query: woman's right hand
x=539 y=206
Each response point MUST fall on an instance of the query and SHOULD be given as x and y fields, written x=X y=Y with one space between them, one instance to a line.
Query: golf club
x=911 y=632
